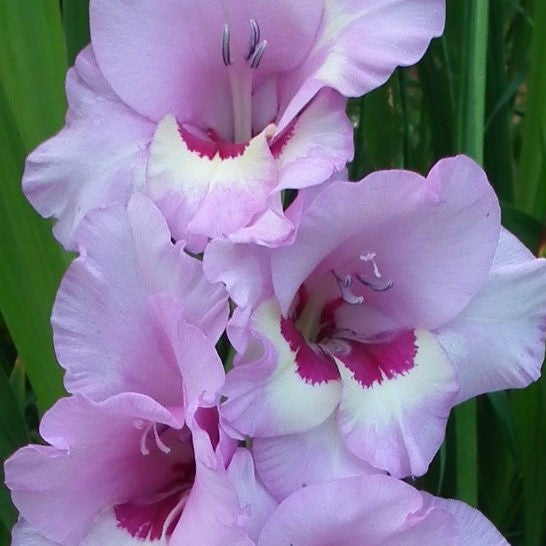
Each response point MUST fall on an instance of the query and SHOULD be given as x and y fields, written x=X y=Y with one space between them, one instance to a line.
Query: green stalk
x=530 y=185
x=470 y=140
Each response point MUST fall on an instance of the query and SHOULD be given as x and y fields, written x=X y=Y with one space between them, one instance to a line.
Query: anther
x=345 y=288
x=256 y=57
x=226 y=53
x=254 y=38
x=370 y=257
x=373 y=285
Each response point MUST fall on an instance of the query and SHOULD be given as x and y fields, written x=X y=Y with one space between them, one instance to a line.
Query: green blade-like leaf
x=32 y=66
x=76 y=26
x=13 y=434
x=531 y=182
x=31 y=264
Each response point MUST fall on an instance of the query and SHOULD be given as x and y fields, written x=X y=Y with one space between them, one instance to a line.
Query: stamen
x=375 y=287
x=143 y=439
x=256 y=57
x=143 y=447
x=159 y=442
x=226 y=51
x=254 y=38
x=370 y=257
x=345 y=288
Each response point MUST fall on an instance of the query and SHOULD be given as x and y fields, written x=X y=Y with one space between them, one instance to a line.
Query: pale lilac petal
x=398 y=423
x=320 y=145
x=207 y=196
x=200 y=366
x=106 y=332
x=212 y=514
x=167 y=59
x=267 y=395
x=372 y=510
x=96 y=160
x=102 y=438
x=497 y=342
x=244 y=269
x=253 y=497
x=473 y=527
x=359 y=45
x=288 y=463
x=23 y=534
x=410 y=224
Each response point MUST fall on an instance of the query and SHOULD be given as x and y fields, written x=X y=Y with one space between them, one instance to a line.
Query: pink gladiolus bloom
x=389 y=308
x=135 y=313
x=128 y=471
x=213 y=108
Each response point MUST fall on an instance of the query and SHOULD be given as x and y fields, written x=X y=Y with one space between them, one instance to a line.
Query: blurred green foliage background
x=480 y=90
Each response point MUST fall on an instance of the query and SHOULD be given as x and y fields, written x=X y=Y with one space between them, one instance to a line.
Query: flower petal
x=394 y=417
x=269 y=393
x=102 y=438
x=320 y=143
x=497 y=342
x=408 y=224
x=254 y=498
x=288 y=463
x=358 y=46
x=473 y=527
x=167 y=58
x=23 y=534
x=372 y=510
x=208 y=196
x=96 y=160
x=103 y=313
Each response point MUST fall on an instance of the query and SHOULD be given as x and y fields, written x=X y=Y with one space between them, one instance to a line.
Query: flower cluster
x=357 y=314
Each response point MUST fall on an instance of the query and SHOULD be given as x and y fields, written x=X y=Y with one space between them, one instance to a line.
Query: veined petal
x=370 y=510
x=253 y=496
x=320 y=143
x=102 y=438
x=103 y=314
x=203 y=195
x=23 y=534
x=358 y=46
x=497 y=342
x=396 y=400
x=409 y=224
x=280 y=388
x=99 y=158
x=288 y=463
x=167 y=58
x=473 y=527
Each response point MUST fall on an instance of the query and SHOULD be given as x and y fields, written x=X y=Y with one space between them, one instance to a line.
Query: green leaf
x=32 y=66
x=530 y=187
x=13 y=434
x=31 y=266
x=76 y=26
x=17 y=381
x=524 y=226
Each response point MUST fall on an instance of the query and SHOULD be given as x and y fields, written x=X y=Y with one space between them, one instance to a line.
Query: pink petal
x=96 y=160
x=473 y=527
x=23 y=534
x=358 y=46
x=321 y=143
x=497 y=342
x=106 y=328
x=101 y=438
x=373 y=510
x=208 y=196
x=268 y=396
x=253 y=497
x=396 y=421
x=408 y=222
x=167 y=59
x=288 y=463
